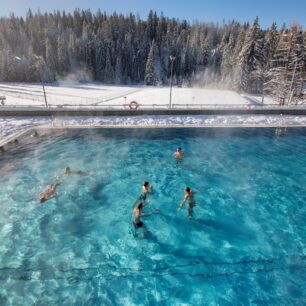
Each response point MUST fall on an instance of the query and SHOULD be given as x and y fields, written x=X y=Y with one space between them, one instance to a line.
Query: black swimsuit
x=138 y=224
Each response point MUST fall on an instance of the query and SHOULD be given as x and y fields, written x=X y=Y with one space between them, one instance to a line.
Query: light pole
x=172 y=58
x=291 y=91
x=42 y=64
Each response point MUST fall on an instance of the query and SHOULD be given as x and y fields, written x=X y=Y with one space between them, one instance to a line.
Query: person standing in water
x=179 y=154
x=189 y=195
x=146 y=189
x=137 y=214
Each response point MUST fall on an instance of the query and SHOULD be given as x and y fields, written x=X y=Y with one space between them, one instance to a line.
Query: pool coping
x=9 y=140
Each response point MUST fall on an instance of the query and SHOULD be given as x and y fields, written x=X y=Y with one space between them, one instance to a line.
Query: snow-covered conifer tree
x=149 y=74
x=251 y=59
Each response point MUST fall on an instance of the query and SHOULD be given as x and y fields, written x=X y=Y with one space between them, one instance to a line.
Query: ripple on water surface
x=245 y=245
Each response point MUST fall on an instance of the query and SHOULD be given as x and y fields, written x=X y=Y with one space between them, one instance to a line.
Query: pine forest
x=118 y=49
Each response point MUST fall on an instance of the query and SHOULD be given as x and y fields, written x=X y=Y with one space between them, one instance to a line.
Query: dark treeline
x=119 y=49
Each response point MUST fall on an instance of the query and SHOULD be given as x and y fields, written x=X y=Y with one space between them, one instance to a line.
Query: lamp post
x=172 y=58
x=291 y=91
x=42 y=63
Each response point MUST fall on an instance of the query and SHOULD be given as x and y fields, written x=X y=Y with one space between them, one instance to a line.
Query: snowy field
x=95 y=94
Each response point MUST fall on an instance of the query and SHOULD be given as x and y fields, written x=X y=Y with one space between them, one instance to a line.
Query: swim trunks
x=138 y=224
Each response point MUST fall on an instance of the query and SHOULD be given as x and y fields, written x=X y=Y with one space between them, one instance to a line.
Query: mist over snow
x=69 y=92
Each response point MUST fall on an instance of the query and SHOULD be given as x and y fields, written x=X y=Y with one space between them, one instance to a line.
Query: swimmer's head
x=140 y=205
x=67 y=170
x=187 y=189
x=42 y=199
x=146 y=184
x=179 y=149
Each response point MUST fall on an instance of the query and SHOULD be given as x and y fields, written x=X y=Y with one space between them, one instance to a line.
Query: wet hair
x=188 y=189
x=67 y=169
x=179 y=149
x=145 y=183
x=139 y=205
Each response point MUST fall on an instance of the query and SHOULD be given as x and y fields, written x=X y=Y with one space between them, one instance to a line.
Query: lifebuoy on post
x=247 y=105
x=133 y=105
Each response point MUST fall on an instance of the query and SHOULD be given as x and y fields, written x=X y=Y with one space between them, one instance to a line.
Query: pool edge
x=28 y=130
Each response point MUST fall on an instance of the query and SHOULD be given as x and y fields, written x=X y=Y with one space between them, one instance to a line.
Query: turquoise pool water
x=245 y=245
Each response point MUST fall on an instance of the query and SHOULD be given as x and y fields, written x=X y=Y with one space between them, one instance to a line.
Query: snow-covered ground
x=95 y=94
x=10 y=126
x=98 y=94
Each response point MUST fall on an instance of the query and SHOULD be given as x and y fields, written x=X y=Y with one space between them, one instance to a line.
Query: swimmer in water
x=137 y=214
x=189 y=195
x=179 y=154
x=49 y=193
x=68 y=171
x=146 y=189
x=62 y=177
x=35 y=134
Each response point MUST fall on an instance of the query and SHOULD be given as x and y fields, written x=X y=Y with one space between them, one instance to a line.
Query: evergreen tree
x=109 y=74
x=118 y=71
x=62 y=55
x=149 y=74
x=251 y=60
x=116 y=48
x=286 y=78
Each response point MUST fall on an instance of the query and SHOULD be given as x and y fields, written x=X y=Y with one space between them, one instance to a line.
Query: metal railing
x=155 y=106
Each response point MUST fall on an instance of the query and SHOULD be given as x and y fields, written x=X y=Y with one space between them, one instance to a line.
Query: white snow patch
x=99 y=94
x=12 y=125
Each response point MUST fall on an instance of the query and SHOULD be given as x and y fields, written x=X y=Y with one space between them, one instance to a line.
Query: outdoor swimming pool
x=245 y=245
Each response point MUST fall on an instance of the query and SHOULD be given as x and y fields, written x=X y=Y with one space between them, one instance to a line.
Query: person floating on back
x=179 y=154
x=137 y=214
x=49 y=193
x=189 y=195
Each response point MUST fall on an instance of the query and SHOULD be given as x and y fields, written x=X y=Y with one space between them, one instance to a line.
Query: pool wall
x=15 y=138
x=7 y=111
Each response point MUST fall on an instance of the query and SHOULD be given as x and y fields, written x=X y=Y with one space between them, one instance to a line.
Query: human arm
x=183 y=202
x=145 y=203
x=151 y=190
x=80 y=172
x=149 y=213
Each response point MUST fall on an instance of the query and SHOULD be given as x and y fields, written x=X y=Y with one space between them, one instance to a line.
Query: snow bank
x=11 y=125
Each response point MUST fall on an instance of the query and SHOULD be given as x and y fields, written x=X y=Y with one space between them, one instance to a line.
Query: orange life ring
x=133 y=105
x=247 y=105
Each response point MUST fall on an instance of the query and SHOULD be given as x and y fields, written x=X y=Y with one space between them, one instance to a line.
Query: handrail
x=156 y=106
